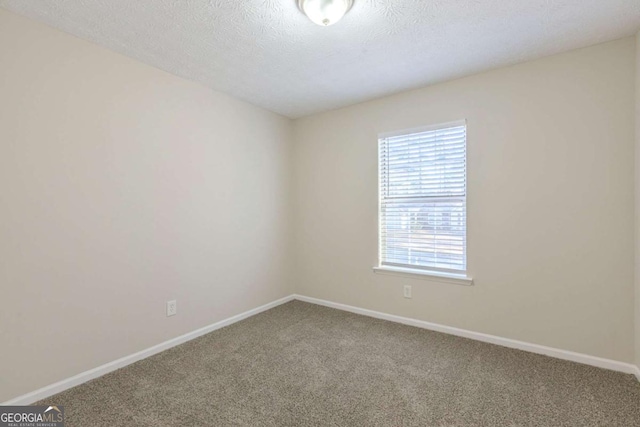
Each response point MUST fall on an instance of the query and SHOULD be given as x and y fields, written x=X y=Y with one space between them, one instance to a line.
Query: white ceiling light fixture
x=325 y=12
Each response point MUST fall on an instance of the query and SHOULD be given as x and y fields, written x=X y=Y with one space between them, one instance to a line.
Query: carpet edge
x=585 y=359
x=83 y=377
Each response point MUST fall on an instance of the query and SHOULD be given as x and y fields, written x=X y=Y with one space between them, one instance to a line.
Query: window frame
x=425 y=272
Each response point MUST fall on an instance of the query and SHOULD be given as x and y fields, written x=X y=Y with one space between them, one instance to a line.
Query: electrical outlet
x=407 y=291
x=172 y=308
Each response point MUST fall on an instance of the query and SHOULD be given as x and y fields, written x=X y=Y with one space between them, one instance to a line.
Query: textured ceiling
x=268 y=53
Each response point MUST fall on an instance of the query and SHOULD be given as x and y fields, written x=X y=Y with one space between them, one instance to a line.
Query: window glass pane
x=425 y=234
x=423 y=199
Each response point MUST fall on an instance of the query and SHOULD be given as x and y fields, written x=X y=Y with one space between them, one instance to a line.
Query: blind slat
x=423 y=199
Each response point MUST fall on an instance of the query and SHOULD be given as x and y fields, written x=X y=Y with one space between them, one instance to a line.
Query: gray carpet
x=305 y=365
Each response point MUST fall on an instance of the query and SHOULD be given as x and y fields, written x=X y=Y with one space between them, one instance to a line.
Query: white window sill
x=435 y=276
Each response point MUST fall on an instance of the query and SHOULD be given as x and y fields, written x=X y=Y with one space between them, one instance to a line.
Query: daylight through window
x=423 y=218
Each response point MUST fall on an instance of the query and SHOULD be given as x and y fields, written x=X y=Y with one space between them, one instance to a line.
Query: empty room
x=319 y=213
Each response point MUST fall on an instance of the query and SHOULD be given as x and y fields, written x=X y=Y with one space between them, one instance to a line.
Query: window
x=423 y=218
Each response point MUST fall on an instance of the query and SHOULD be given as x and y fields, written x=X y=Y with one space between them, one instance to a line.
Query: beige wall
x=121 y=187
x=550 y=202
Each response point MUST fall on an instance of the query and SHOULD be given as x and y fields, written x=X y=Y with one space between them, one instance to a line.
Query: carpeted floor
x=304 y=365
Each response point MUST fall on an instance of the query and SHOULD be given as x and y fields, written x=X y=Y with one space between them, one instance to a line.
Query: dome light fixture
x=325 y=12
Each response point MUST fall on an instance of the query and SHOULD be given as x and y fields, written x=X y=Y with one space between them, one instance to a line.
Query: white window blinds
x=423 y=219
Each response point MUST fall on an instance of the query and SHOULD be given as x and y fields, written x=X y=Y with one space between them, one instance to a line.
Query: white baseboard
x=599 y=362
x=83 y=377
